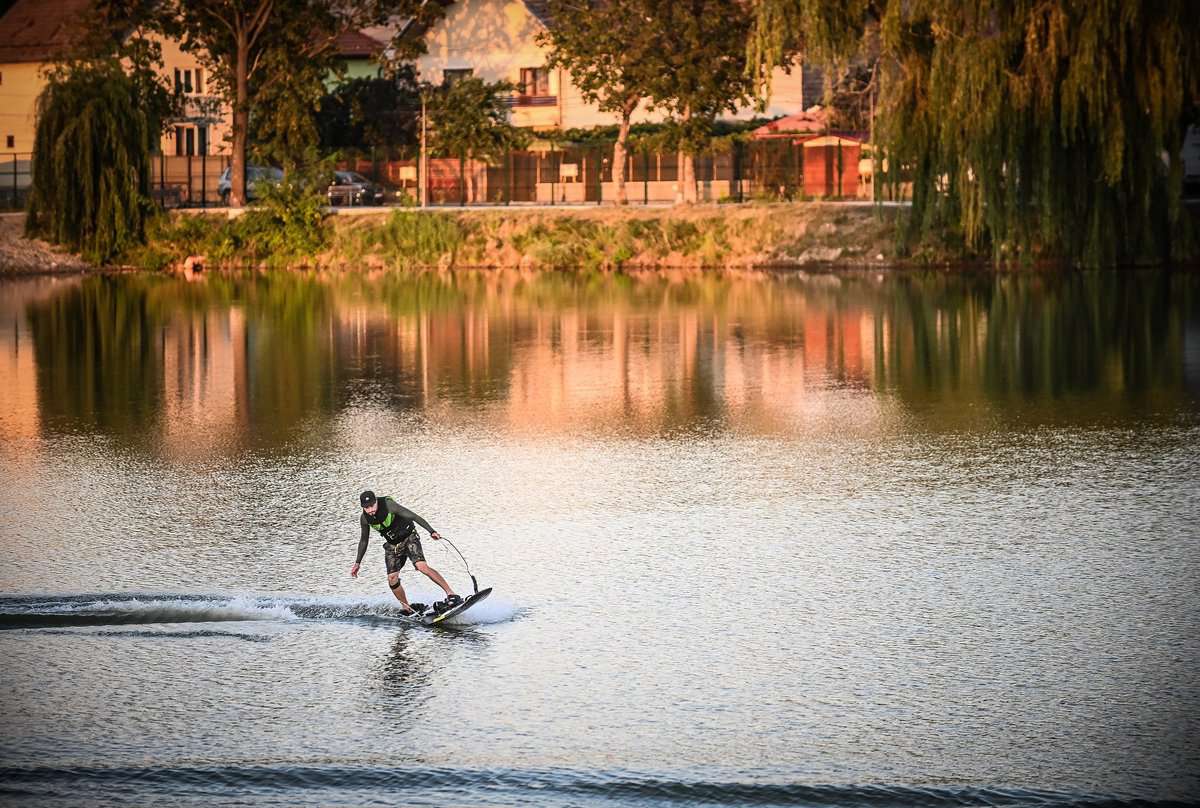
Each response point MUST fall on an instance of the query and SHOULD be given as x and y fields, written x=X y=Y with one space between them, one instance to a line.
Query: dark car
x=254 y=175
x=352 y=188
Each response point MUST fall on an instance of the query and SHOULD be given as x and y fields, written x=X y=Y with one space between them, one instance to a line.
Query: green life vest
x=393 y=529
x=385 y=524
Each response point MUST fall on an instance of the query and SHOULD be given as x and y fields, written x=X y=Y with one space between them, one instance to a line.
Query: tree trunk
x=686 y=181
x=241 y=124
x=469 y=176
x=688 y=170
x=618 y=169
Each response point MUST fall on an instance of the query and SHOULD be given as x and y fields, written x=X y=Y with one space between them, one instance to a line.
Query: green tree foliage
x=602 y=45
x=268 y=57
x=98 y=345
x=1032 y=129
x=362 y=115
x=698 y=61
x=685 y=57
x=91 y=157
x=468 y=119
x=283 y=129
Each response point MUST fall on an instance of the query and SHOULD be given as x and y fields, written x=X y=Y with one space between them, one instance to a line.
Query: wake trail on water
x=304 y=784
x=64 y=611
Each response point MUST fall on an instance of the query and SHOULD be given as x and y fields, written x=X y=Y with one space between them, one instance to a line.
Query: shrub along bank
x=743 y=236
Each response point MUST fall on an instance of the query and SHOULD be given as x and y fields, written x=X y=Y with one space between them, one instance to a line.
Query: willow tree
x=1034 y=128
x=91 y=159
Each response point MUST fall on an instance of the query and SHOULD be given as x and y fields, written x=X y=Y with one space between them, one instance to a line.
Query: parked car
x=254 y=175
x=352 y=188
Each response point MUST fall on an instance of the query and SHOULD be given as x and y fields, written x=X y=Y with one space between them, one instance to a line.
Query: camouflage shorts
x=396 y=554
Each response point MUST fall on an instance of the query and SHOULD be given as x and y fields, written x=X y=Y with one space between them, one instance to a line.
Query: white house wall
x=497 y=38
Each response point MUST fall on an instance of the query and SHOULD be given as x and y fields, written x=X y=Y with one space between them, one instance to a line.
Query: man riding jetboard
x=396 y=525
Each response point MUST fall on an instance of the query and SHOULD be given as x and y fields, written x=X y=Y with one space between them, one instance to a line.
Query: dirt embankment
x=24 y=256
x=733 y=237
x=703 y=236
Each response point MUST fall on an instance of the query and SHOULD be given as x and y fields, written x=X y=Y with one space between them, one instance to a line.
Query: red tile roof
x=812 y=120
x=40 y=30
x=356 y=43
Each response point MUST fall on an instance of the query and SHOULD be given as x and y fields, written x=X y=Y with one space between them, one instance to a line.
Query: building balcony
x=202 y=106
x=532 y=100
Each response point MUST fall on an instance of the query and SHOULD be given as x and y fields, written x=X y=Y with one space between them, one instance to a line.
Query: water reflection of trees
x=1032 y=335
x=99 y=362
x=260 y=356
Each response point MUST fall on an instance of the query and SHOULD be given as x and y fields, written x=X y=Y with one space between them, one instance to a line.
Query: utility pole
x=423 y=168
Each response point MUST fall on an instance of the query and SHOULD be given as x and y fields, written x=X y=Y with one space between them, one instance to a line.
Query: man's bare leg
x=434 y=576
x=398 y=590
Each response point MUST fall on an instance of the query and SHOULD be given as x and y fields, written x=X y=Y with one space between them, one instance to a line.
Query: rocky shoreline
x=25 y=256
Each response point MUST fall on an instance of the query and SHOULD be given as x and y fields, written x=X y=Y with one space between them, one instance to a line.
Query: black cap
x=367 y=498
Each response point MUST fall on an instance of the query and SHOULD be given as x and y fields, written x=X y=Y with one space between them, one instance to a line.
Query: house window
x=12 y=142
x=190 y=140
x=189 y=81
x=535 y=81
x=452 y=74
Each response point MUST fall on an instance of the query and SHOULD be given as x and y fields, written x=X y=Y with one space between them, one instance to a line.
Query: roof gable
x=41 y=30
x=540 y=9
x=813 y=120
x=356 y=44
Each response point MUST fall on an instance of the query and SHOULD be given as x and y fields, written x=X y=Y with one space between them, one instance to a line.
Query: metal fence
x=15 y=180
x=174 y=181
x=780 y=169
x=187 y=181
x=769 y=169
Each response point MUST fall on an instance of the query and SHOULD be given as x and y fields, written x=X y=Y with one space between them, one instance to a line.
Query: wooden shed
x=831 y=167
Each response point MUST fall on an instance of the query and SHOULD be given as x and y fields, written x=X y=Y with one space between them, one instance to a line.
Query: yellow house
x=492 y=39
x=34 y=33
x=204 y=126
x=495 y=40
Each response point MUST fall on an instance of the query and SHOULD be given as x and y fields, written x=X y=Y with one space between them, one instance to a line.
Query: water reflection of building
x=205 y=380
x=670 y=368
x=550 y=368
x=223 y=364
x=216 y=366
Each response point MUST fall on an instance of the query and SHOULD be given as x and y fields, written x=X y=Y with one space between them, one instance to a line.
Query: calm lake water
x=881 y=539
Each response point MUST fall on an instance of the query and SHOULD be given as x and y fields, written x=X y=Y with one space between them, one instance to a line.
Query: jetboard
x=431 y=617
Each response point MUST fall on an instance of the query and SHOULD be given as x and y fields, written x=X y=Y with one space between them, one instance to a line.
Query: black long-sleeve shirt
x=388 y=505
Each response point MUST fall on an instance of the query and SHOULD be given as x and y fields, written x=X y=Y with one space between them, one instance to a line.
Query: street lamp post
x=424 y=166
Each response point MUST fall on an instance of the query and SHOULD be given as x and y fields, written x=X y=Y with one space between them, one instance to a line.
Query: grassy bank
x=803 y=234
